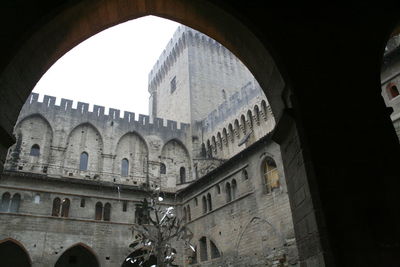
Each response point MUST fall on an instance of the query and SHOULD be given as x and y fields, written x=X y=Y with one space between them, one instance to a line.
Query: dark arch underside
x=12 y=255
x=77 y=256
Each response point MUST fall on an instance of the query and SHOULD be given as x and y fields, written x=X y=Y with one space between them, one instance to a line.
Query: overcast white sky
x=111 y=68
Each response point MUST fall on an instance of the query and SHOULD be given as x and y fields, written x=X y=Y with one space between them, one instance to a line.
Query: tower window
x=83 y=163
x=173 y=84
x=56 y=207
x=204 y=202
x=124 y=206
x=271 y=176
x=83 y=202
x=5 y=202
x=228 y=192
x=107 y=212
x=209 y=202
x=35 y=150
x=234 y=189
x=124 y=168
x=65 y=207
x=99 y=211
x=163 y=168
x=182 y=173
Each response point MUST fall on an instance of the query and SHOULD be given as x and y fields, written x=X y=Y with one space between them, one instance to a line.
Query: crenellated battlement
x=48 y=105
x=181 y=38
x=230 y=106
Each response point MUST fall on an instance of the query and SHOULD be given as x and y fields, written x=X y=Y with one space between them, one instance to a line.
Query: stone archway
x=13 y=254
x=78 y=255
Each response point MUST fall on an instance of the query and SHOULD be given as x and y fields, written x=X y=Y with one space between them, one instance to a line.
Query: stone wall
x=252 y=227
x=63 y=134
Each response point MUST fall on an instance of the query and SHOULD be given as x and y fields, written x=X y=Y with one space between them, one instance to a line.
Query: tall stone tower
x=193 y=76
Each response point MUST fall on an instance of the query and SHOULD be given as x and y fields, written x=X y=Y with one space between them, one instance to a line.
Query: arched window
x=83 y=162
x=204 y=202
x=196 y=202
x=189 y=215
x=209 y=202
x=223 y=95
x=99 y=211
x=218 y=189
x=5 y=202
x=214 y=251
x=245 y=175
x=182 y=175
x=250 y=118
x=234 y=189
x=231 y=133
x=163 y=168
x=65 y=207
x=257 y=114
x=392 y=91
x=56 y=207
x=107 y=212
x=228 y=192
x=271 y=176
x=124 y=167
x=35 y=150
x=203 y=249
x=243 y=123
x=15 y=201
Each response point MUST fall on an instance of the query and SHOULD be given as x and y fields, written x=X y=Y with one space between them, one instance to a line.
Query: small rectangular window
x=124 y=206
x=173 y=84
x=82 y=203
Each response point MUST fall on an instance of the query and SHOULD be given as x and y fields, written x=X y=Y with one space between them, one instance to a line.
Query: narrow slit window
x=65 y=208
x=124 y=168
x=83 y=163
x=99 y=211
x=173 y=85
x=107 y=212
x=182 y=173
x=56 y=207
x=124 y=206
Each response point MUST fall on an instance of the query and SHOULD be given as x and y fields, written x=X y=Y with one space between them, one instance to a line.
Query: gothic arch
x=35 y=129
x=76 y=145
x=175 y=155
x=34 y=115
x=13 y=253
x=133 y=147
x=82 y=253
x=265 y=243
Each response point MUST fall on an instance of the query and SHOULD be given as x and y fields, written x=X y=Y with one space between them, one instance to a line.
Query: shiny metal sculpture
x=156 y=228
